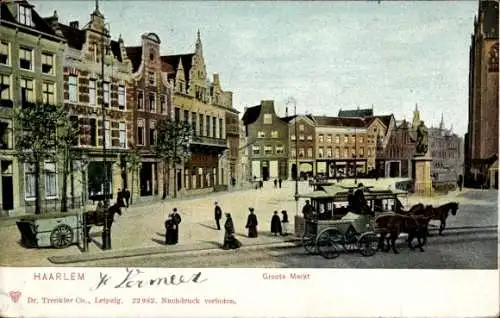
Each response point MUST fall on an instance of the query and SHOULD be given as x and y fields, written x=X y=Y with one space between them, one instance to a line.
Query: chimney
x=286 y=111
x=74 y=25
x=216 y=78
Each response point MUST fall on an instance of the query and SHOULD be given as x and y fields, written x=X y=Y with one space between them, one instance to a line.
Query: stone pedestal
x=422 y=175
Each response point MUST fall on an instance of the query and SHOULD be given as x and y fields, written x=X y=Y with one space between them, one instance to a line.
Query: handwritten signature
x=135 y=278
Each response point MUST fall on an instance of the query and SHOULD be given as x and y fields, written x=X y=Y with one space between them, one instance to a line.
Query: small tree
x=36 y=138
x=173 y=147
x=133 y=162
x=67 y=135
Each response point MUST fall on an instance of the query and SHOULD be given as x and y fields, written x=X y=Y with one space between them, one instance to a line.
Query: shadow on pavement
x=209 y=226
x=160 y=234
x=479 y=194
x=214 y=243
x=161 y=242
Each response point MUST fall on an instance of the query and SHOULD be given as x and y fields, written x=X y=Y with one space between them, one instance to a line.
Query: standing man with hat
x=218 y=215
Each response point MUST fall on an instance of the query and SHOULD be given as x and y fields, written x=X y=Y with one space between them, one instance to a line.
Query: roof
x=339 y=121
x=75 y=37
x=288 y=118
x=356 y=112
x=340 y=194
x=490 y=22
x=134 y=54
x=115 y=49
x=385 y=119
x=251 y=114
x=170 y=64
x=40 y=25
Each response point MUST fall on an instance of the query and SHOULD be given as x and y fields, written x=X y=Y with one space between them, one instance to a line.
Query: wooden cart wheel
x=368 y=244
x=330 y=243
x=309 y=243
x=61 y=236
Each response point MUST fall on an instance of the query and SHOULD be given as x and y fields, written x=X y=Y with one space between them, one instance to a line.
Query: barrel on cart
x=52 y=230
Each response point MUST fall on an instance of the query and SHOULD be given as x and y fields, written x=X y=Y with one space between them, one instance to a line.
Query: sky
x=327 y=55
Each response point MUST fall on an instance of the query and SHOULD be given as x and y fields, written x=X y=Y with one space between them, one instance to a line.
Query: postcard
x=249 y=159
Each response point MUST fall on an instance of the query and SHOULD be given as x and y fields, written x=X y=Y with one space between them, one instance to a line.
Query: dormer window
x=24 y=15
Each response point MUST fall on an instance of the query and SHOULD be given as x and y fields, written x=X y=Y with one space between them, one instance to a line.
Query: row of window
x=26 y=58
x=94 y=127
x=27 y=90
x=329 y=152
x=268 y=149
x=261 y=134
x=321 y=138
x=50 y=184
x=203 y=125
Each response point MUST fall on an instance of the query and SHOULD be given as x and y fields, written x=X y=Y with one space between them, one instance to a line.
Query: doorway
x=179 y=180
x=394 y=169
x=7 y=193
x=265 y=173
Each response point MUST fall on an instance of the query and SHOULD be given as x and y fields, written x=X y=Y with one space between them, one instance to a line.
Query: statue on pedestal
x=422 y=140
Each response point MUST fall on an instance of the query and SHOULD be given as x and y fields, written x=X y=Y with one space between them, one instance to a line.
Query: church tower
x=416 y=118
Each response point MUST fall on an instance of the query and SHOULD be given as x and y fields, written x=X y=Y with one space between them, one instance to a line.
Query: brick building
x=481 y=141
x=149 y=97
x=205 y=105
x=447 y=153
x=31 y=59
x=340 y=146
x=304 y=140
x=267 y=136
x=86 y=89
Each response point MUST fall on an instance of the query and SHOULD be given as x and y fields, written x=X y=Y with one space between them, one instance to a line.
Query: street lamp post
x=106 y=233
x=355 y=155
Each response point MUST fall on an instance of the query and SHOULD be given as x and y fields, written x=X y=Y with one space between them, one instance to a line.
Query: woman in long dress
x=252 y=224
x=276 y=224
x=285 y=222
x=230 y=242
x=170 y=229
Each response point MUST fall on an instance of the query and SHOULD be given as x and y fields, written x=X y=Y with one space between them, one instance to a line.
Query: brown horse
x=441 y=214
x=102 y=218
x=394 y=224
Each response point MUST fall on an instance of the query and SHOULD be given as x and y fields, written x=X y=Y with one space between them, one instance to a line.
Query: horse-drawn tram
x=341 y=218
x=60 y=230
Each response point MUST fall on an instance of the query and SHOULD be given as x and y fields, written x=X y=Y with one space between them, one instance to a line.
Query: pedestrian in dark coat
x=276 y=224
x=119 y=198
x=275 y=183
x=126 y=196
x=230 y=242
x=460 y=182
x=280 y=181
x=218 y=215
x=170 y=230
x=177 y=220
x=252 y=224
x=284 y=222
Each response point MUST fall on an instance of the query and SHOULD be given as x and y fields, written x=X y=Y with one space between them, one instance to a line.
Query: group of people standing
x=123 y=197
x=231 y=242
x=277 y=182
